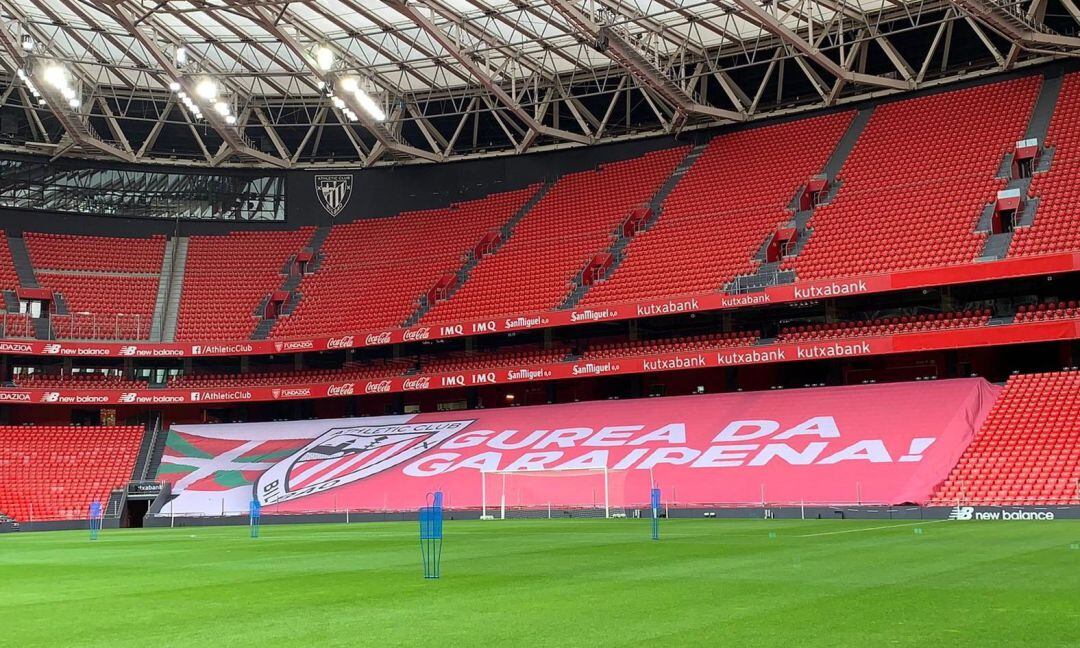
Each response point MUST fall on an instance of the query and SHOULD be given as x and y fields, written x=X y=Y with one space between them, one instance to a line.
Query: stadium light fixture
x=174 y=86
x=369 y=105
x=56 y=76
x=222 y=108
x=230 y=120
x=181 y=56
x=207 y=89
x=324 y=57
x=27 y=42
x=73 y=103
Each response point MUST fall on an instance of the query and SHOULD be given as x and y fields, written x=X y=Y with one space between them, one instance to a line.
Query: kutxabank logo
x=344 y=455
x=333 y=192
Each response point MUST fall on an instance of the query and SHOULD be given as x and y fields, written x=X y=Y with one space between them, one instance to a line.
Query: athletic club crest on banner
x=344 y=455
x=333 y=192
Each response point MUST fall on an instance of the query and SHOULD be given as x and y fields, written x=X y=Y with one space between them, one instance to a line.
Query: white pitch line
x=877 y=528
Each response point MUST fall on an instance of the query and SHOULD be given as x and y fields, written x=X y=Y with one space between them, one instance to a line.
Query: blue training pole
x=654 y=501
x=95 y=519
x=431 y=535
x=255 y=512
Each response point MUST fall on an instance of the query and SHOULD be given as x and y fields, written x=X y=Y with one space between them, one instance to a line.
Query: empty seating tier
x=885 y=326
x=1058 y=192
x=574 y=221
x=374 y=271
x=1047 y=312
x=916 y=183
x=54 y=472
x=95 y=253
x=686 y=344
x=722 y=210
x=1028 y=450
x=284 y=378
x=226 y=278
x=103 y=307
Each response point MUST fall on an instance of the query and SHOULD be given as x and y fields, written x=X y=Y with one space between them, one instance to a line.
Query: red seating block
x=227 y=276
x=1056 y=227
x=95 y=253
x=1028 y=450
x=719 y=214
x=375 y=270
x=885 y=326
x=915 y=184
x=54 y=472
x=573 y=222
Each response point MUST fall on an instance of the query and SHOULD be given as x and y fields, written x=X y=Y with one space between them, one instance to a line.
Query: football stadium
x=539 y=323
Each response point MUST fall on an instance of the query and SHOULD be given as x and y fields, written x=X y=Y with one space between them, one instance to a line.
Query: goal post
x=578 y=492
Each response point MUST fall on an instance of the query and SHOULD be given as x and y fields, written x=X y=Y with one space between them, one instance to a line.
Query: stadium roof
x=326 y=82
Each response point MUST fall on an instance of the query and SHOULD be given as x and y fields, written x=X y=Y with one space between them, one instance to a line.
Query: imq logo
x=333 y=192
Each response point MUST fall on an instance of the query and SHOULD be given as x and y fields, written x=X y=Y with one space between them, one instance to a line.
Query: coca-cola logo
x=345 y=342
x=414 y=335
x=348 y=389
x=381 y=387
x=377 y=338
x=423 y=382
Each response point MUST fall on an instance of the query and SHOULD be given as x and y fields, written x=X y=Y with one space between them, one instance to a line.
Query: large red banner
x=796 y=292
x=870 y=444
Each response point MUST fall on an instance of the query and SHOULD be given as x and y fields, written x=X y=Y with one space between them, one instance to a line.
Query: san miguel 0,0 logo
x=344 y=455
x=333 y=192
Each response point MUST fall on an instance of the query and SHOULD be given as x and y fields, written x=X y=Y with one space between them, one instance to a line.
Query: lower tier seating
x=671 y=345
x=489 y=359
x=284 y=378
x=1045 y=312
x=76 y=381
x=885 y=326
x=1028 y=450
x=55 y=472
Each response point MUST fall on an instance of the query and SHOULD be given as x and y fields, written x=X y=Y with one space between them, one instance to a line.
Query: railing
x=16 y=325
x=150 y=449
x=92 y=326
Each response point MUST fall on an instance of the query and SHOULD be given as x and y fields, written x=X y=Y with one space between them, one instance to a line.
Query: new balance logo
x=962 y=513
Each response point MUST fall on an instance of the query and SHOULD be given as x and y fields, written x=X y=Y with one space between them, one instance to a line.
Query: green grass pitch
x=549 y=583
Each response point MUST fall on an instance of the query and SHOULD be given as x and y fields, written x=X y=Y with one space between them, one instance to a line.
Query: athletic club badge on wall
x=333 y=192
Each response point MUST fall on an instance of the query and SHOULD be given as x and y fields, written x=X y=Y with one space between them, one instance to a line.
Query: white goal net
x=553 y=493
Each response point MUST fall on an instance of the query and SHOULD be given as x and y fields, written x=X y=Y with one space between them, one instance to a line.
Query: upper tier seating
x=687 y=344
x=1045 y=312
x=917 y=181
x=561 y=233
x=95 y=253
x=226 y=277
x=9 y=279
x=375 y=270
x=96 y=277
x=885 y=326
x=1028 y=450
x=55 y=472
x=12 y=325
x=722 y=210
x=103 y=307
x=1055 y=228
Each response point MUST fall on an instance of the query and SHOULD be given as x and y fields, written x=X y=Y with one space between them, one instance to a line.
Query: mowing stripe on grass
x=877 y=528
